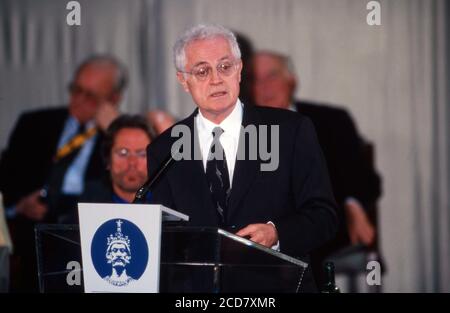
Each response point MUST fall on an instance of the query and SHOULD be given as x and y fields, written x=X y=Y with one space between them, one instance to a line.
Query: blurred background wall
x=394 y=78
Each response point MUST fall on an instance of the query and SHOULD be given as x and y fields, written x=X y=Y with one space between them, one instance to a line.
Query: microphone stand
x=142 y=192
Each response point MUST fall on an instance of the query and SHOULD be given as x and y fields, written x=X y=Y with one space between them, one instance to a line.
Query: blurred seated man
x=124 y=150
x=160 y=121
x=356 y=186
x=52 y=152
x=5 y=250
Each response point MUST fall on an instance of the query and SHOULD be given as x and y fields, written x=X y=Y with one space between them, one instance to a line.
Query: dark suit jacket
x=296 y=197
x=99 y=191
x=350 y=174
x=24 y=168
x=27 y=160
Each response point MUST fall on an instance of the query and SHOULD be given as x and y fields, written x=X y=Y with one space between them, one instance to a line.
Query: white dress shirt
x=73 y=182
x=229 y=140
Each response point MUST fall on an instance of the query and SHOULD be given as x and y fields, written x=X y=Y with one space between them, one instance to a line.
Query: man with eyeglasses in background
x=125 y=155
x=289 y=208
x=50 y=155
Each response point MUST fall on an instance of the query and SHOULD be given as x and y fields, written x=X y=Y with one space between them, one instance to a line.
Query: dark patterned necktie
x=217 y=175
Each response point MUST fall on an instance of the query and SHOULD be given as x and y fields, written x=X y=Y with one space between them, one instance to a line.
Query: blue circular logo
x=119 y=252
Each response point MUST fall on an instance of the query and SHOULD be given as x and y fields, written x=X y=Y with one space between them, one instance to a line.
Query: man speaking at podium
x=282 y=199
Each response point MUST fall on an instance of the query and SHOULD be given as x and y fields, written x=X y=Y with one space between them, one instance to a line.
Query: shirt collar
x=75 y=123
x=292 y=107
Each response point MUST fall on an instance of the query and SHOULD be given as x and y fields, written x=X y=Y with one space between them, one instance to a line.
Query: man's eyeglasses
x=77 y=90
x=124 y=153
x=203 y=72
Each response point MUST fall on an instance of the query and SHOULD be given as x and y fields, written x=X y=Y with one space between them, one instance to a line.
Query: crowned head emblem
x=118 y=254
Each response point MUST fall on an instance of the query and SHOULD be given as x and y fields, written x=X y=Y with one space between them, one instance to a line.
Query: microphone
x=142 y=192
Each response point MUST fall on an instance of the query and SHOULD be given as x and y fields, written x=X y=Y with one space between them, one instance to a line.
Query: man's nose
x=216 y=77
x=132 y=159
x=262 y=83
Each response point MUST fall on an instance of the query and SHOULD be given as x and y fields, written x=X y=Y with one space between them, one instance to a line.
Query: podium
x=193 y=259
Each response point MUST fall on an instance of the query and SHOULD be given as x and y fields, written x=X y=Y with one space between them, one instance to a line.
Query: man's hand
x=360 y=229
x=31 y=207
x=106 y=113
x=264 y=234
x=160 y=120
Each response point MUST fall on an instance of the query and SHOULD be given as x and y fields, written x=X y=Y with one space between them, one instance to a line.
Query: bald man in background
x=51 y=153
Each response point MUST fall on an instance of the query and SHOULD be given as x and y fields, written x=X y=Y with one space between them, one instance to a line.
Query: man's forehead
x=208 y=50
x=97 y=77
x=131 y=137
x=106 y=70
x=268 y=61
x=131 y=132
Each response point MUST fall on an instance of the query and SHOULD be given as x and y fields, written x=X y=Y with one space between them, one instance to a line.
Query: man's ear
x=293 y=84
x=115 y=98
x=240 y=69
x=183 y=82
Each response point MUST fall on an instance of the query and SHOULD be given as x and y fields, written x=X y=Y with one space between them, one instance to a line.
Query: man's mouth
x=218 y=94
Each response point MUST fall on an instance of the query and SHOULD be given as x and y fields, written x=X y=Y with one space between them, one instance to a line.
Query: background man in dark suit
x=291 y=207
x=355 y=184
x=52 y=152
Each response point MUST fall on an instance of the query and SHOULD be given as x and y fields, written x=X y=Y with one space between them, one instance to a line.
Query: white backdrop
x=393 y=78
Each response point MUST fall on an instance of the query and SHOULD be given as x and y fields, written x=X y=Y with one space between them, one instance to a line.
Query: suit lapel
x=245 y=170
x=55 y=125
x=194 y=177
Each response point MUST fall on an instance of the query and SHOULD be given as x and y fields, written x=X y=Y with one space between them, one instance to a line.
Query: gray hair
x=200 y=32
x=107 y=60
x=285 y=60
